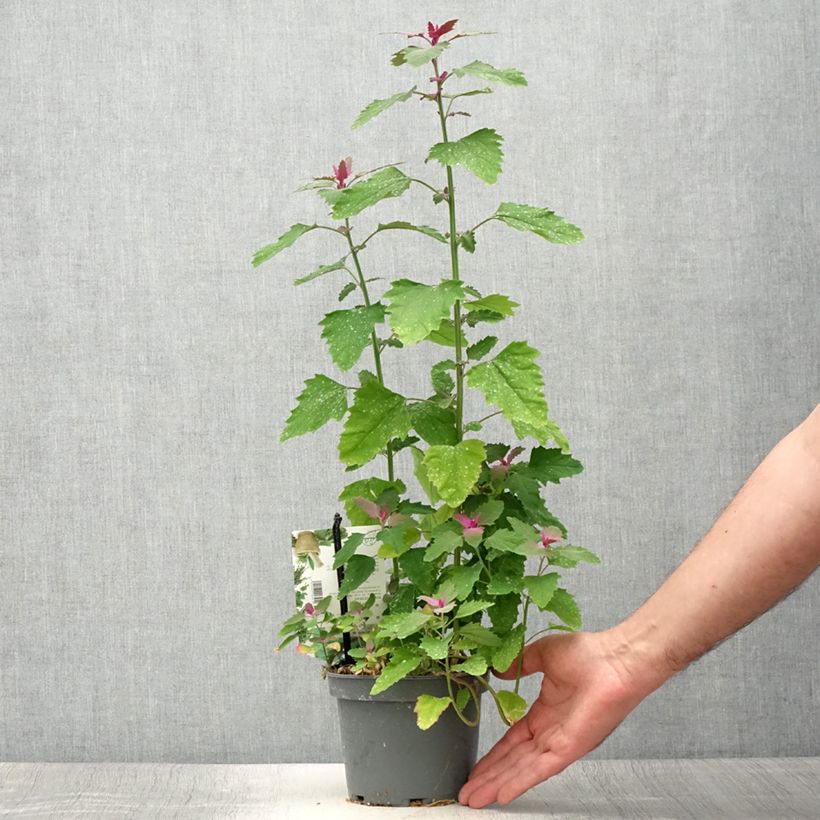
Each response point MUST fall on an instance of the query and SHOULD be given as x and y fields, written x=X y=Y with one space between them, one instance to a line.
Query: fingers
x=531 y=662
x=510 y=781
x=519 y=733
x=543 y=767
x=506 y=762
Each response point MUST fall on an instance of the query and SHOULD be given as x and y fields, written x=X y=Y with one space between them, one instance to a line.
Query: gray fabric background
x=149 y=148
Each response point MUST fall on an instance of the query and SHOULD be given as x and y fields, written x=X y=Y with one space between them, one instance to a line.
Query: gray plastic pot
x=388 y=760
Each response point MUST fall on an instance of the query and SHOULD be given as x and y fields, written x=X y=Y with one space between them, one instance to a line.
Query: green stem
x=536 y=634
x=451 y=204
x=494 y=694
x=373 y=338
x=461 y=714
x=485 y=418
x=425 y=184
x=483 y=222
x=524 y=622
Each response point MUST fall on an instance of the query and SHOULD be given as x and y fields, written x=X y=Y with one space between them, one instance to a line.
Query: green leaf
x=509 y=650
x=512 y=706
x=414 y=508
x=403 y=599
x=497 y=451
x=540 y=221
x=471 y=607
x=505 y=612
x=542 y=433
x=357 y=570
x=482 y=347
x=435 y=648
x=365 y=376
x=416 y=310
x=472 y=93
x=408 y=226
x=490 y=510
x=420 y=472
x=528 y=493
x=348 y=548
x=442 y=381
x=570 y=556
x=453 y=469
x=295 y=621
x=284 y=241
x=405 y=660
x=349 y=332
x=444 y=541
x=518 y=539
x=321 y=271
x=467 y=241
x=484 y=71
x=429 y=709
x=436 y=425
x=347 y=202
x=495 y=303
x=474 y=665
x=317 y=182
x=513 y=382
x=290 y=639
x=376 y=107
x=395 y=541
x=541 y=588
x=462 y=698
x=322 y=400
x=403 y=625
x=507 y=577
x=416 y=56
x=417 y=570
x=564 y=606
x=377 y=415
x=444 y=334
x=552 y=465
x=480 y=635
x=461 y=579
x=480 y=153
x=346 y=291
x=371 y=489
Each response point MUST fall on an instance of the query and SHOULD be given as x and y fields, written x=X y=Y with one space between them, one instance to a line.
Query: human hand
x=586 y=692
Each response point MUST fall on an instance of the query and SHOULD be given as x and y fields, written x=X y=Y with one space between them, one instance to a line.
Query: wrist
x=637 y=650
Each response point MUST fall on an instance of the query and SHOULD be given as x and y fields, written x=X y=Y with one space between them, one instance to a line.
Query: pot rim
x=411 y=676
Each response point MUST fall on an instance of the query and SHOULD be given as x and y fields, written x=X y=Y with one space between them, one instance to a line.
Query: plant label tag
x=314 y=577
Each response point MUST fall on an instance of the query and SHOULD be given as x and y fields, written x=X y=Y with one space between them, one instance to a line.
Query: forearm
x=765 y=544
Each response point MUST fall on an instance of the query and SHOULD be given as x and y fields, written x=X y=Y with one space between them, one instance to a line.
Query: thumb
x=530 y=659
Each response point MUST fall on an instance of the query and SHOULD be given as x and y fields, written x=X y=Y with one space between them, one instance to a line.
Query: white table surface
x=747 y=789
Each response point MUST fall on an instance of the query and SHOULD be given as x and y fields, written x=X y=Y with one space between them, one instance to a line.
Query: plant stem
x=485 y=418
x=451 y=203
x=494 y=694
x=373 y=338
x=524 y=622
x=425 y=184
x=483 y=222
x=461 y=714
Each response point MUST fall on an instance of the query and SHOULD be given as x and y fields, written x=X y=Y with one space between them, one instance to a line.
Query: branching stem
x=451 y=204
x=374 y=339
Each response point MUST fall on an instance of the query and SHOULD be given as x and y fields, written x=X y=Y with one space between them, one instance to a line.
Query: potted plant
x=462 y=570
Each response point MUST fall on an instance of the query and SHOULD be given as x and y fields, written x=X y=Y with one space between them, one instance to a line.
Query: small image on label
x=314 y=577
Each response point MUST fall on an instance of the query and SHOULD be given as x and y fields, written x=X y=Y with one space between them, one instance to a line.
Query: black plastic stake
x=340 y=575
